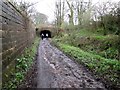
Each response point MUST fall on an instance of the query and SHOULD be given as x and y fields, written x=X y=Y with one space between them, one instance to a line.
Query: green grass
x=95 y=35
x=108 y=69
x=23 y=63
x=92 y=41
x=83 y=33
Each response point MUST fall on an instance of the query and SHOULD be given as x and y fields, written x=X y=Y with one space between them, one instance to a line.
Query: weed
x=23 y=64
x=107 y=69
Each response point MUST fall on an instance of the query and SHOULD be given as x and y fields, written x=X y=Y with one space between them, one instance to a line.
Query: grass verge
x=93 y=42
x=108 y=70
x=23 y=63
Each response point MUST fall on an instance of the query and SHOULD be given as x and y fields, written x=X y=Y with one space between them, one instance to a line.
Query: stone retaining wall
x=16 y=33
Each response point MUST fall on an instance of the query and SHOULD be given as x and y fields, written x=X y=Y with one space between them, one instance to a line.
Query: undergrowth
x=93 y=42
x=107 y=69
x=23 y=63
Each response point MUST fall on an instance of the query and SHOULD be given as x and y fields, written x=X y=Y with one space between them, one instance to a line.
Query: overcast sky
x=47 y=6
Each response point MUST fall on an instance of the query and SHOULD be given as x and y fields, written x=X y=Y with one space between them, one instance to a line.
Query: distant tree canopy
x=30 y=11
x=39 y=18
x=85 y=14
x=25 y=7
x=109 y=21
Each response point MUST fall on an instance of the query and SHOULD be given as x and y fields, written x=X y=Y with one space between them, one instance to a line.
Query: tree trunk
x=119 y=46
x=71 y=12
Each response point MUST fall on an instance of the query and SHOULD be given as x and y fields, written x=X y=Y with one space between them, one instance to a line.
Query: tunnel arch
x=45 y=34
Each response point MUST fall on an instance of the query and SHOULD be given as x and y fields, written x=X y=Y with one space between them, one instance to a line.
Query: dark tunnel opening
x=36 y=29
x=45 y=34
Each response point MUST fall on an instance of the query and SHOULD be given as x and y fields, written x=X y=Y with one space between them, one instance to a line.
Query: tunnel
x=45 y=34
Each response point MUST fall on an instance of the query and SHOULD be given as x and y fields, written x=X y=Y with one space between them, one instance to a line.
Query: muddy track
x=56 y=70
x=53 y=69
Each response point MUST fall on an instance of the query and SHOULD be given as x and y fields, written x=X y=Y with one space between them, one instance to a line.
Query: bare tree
x=39 y=18
x=71 y=12
x=59 y=12
x=102 y=10
x=83 y=10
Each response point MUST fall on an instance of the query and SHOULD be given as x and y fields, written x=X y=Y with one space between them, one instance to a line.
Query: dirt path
x=55 y=70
